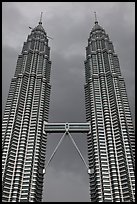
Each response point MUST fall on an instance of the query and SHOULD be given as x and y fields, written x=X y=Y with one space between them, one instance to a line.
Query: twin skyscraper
x=111 y=141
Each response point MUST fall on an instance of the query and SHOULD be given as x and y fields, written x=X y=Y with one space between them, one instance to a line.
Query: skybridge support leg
x=54 y=151
x=78 y=150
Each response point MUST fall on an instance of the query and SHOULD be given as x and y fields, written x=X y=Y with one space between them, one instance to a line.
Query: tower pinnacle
x=96 y=22
x=40 y=22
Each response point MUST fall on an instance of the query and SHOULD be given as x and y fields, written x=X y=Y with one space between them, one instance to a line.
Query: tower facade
x=111 y=144
x=23 y=140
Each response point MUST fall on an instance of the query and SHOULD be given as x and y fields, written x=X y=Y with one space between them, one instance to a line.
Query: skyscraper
x=111 y=144
x=23 y=140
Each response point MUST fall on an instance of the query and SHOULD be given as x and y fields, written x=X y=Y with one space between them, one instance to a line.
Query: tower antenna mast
x=95 y=18
x=41 y=18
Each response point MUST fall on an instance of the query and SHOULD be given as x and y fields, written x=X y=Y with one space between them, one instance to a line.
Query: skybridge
x=66 y=127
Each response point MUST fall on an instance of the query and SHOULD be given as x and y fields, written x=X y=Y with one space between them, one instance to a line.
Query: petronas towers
x=111 y=142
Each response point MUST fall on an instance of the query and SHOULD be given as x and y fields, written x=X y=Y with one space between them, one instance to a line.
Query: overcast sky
x=69 y=23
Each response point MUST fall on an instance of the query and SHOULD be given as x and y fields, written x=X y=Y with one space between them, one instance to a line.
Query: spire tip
x=40 y=22
x=96 y=21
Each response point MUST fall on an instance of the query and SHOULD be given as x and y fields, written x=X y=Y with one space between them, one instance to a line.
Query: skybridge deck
x=66 y=127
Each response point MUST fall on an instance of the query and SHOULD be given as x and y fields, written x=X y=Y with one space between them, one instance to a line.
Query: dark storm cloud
x=69 y=23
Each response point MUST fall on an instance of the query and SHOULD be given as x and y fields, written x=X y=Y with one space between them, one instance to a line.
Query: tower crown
x=39 y=27
x=96 y=26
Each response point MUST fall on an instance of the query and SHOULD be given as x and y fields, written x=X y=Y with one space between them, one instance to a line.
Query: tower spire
x=40 y=22
x=96 y=21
